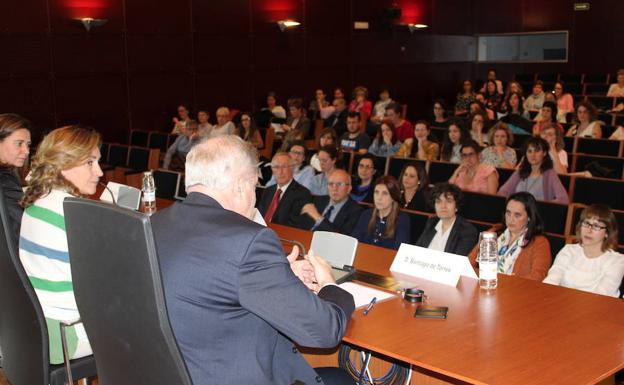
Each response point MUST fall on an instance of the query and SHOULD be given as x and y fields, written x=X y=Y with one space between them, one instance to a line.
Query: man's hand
x=311 y=210
x=303 y=269
x=322 y=270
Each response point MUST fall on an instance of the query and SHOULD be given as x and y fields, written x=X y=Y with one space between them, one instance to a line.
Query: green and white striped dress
x=43 y=252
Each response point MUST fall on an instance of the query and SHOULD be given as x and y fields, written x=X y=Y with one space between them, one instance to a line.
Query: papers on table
x=363 y=295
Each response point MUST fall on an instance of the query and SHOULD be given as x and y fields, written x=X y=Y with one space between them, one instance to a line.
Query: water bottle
x=149 y=192
x=488 y=261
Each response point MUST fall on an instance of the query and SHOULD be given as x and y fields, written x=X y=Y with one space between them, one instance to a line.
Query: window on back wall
x=531 y=47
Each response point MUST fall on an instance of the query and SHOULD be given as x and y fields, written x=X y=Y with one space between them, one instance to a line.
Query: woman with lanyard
x=522 y=249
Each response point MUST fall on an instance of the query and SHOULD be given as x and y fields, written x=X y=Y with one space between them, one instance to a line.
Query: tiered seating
x=123 y=162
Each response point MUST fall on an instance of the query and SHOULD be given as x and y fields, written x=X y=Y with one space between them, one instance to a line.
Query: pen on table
x=370 y=305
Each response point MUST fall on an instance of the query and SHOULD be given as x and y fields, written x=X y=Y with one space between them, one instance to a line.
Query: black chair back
x=166 y=183
x=158 y=140
x=118 y=289
x=138 y=158
x=139 y=138
x=23 y=330
x=118 y=155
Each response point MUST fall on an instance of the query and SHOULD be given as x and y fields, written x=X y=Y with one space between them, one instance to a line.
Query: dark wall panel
x=153 y=54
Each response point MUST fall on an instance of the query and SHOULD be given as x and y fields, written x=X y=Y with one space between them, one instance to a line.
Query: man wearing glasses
x=282 y=202
x=335 y=212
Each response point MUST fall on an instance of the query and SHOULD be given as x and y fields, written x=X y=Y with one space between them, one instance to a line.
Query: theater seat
x=125 y=315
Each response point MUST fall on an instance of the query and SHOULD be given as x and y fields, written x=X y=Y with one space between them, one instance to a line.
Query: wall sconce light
x=89 y=22
x=415 y=27
x=283 y=24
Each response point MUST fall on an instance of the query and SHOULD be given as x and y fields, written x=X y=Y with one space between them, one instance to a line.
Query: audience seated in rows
x=472 y=175
x=587 y=124
x=403 y=128
x=335 y=212
x=414 y=187
x=547 y=115
x=302 y=173
x=327 y=157
x=556 y=148
x=248 y=131
x=616 y=90
x=65 y=165
x=354 y=140
x=176 y=153
x=384 y=225
x=522 y=249
x=447 y=231
x=327 y=137
x=419 y=146
x=499 y=154
x=282 y=202
x=454 y=138
x=592 y=264
x=536 y=175
x=360 y=103
x=14 y=150
x=386 y=142
x=464 y=98
x=363 y=182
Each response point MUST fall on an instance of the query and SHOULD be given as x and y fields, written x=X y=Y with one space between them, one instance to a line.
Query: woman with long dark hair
x=536 y=175
x=248 y=131
x=384 y=225
x=419 y=146
x=414 y=186
x=386 y=142
x=454 y=139
x=522 y=249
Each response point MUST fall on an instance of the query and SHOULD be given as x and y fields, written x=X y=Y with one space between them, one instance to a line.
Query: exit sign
x=581 y=6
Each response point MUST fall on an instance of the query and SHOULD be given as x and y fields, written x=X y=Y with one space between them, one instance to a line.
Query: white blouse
x=600 y=275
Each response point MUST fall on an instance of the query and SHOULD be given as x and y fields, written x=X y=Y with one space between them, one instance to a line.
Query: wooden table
x=524 y=332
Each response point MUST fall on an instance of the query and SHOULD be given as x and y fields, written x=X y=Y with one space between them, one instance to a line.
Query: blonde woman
x=65 y=165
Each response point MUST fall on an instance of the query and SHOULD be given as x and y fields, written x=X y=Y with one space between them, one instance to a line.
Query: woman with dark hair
x=556 y=147
x=327 y=158
x=414 y=186
x=327 y=137
x=419 y=146
x=184 y=116
x=587 y=123
x=386 y=142
x=384 y=225
x=592 y=264
x=440 y=115
x=522 y=249
x=447 y=231
x=14 y=150
x=66 y=164
x=464 y=98
x=455 y=138
x=472 y=175
x=516 y=117
x=565 y=102
x=478 y=120
x=277 y=112
x=338 y=93
x=547 y=115
x=499 y=153
x=512 y=87
x=492 y=96
x=536 y=175
x=248 y=131
x=363 y=182
x=317 y=104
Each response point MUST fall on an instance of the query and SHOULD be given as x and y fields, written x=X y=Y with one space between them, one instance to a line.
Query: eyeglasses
x=338 y=184
x=593 y=226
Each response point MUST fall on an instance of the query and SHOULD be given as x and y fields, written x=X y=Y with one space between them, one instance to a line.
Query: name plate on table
x=432 y=265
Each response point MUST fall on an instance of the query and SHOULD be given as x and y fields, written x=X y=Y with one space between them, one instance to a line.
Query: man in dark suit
x=338 y=120
x=448 y=231
x=282 y=202
x=235 y=302
x=335 y=212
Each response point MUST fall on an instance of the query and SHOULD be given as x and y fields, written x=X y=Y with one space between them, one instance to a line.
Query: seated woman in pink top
x=472 y=175
x=565 y=103
x=360 y=104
